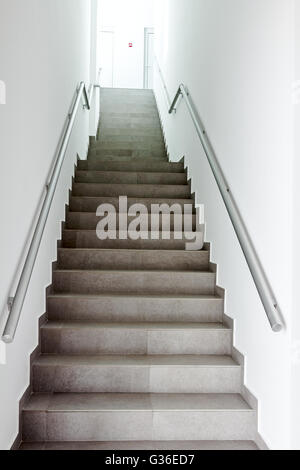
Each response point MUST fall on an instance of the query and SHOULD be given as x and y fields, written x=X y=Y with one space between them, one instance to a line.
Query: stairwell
x=135 y=352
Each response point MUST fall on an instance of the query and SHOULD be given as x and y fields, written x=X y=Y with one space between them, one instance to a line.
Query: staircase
x=134 y=353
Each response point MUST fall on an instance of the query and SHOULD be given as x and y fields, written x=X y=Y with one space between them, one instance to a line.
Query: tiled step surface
x=132 y=190
x=131 y=138
x=119 y=177
x=143 y=445
x=109 y=145
x=136 y=338
x=110 y=154
x=130 y=158
x=130 y=282
x=135 y=308
x=142 y=260
x=136 y=374
x=89 y=221
x=132 y=167
x=91 y=204
x=89 y=239
x=131 y=417
x=138 y=144
x=131 y=131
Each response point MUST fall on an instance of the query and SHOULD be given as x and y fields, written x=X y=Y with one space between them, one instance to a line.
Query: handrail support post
x=10 y=302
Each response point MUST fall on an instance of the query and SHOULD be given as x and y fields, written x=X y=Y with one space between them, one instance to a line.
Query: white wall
x=44 y=54
x=236 y=57
x=296 y=245
x=127 y=19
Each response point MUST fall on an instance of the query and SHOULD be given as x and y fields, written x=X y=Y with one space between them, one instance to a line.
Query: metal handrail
x=15 y=304
x=261 y=281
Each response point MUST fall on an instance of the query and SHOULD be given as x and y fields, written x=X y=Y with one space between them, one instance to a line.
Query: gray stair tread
x=143 y=445
x=134 y=296
x=75 y=230
x=131 y=185
x=134 y=271
x=129 y=250
x=132 y=167
x=124 y=172
x=136 y=361
x=93 y=402
x=155 y=200
x=137 y=326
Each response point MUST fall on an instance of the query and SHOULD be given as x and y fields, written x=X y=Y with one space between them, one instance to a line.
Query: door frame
x=147 y=33
x=112 y=32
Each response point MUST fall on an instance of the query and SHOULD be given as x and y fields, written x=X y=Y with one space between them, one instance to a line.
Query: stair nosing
x=130 y=250
x=141 y=296
x=150 y=407
x=45 y=360
x=149 y=326
x=132 y=271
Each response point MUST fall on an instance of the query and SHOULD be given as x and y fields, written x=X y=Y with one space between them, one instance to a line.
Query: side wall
x=236 y=58
x=296 y=245
x=44 y=54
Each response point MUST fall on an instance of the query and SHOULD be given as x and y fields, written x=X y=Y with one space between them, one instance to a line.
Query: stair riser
x=135 y=153
x=138 y=166
x=91 y=204
x=88 y=240
x=94 y=341
x=86 y=221
x=131 y=178
x=135 y=104
x=122 y=103
x=117 y=139
x=148 y=114
x=147 y=132
x=144 y=445
x=138 y=425
x=134 y=158
x=135 y=309
x=108 y=379
x=138 y=190
x=133 y=124
x=160 y=283
x=106 y=145
x=133 y=260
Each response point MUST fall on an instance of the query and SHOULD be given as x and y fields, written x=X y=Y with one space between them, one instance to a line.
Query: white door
x=149 y=58
x=106 y=50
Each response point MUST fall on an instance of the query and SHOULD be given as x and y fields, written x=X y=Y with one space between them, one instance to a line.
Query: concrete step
x=116 y=139
x=136 y=338
x=135 y=125
x=131 y=190
x=136 y=374
x=118 y=177
x=131 y=157
x=131 y=417
x=141 y=445
x=132 y=282
x=91 y=204
x=88 y=239
x=89 y=221
x=94 y=153
x=133 y=132
x=135 y=308
x=128 y=145
x=137 y=166
x=149 y=113
x=133 y=260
